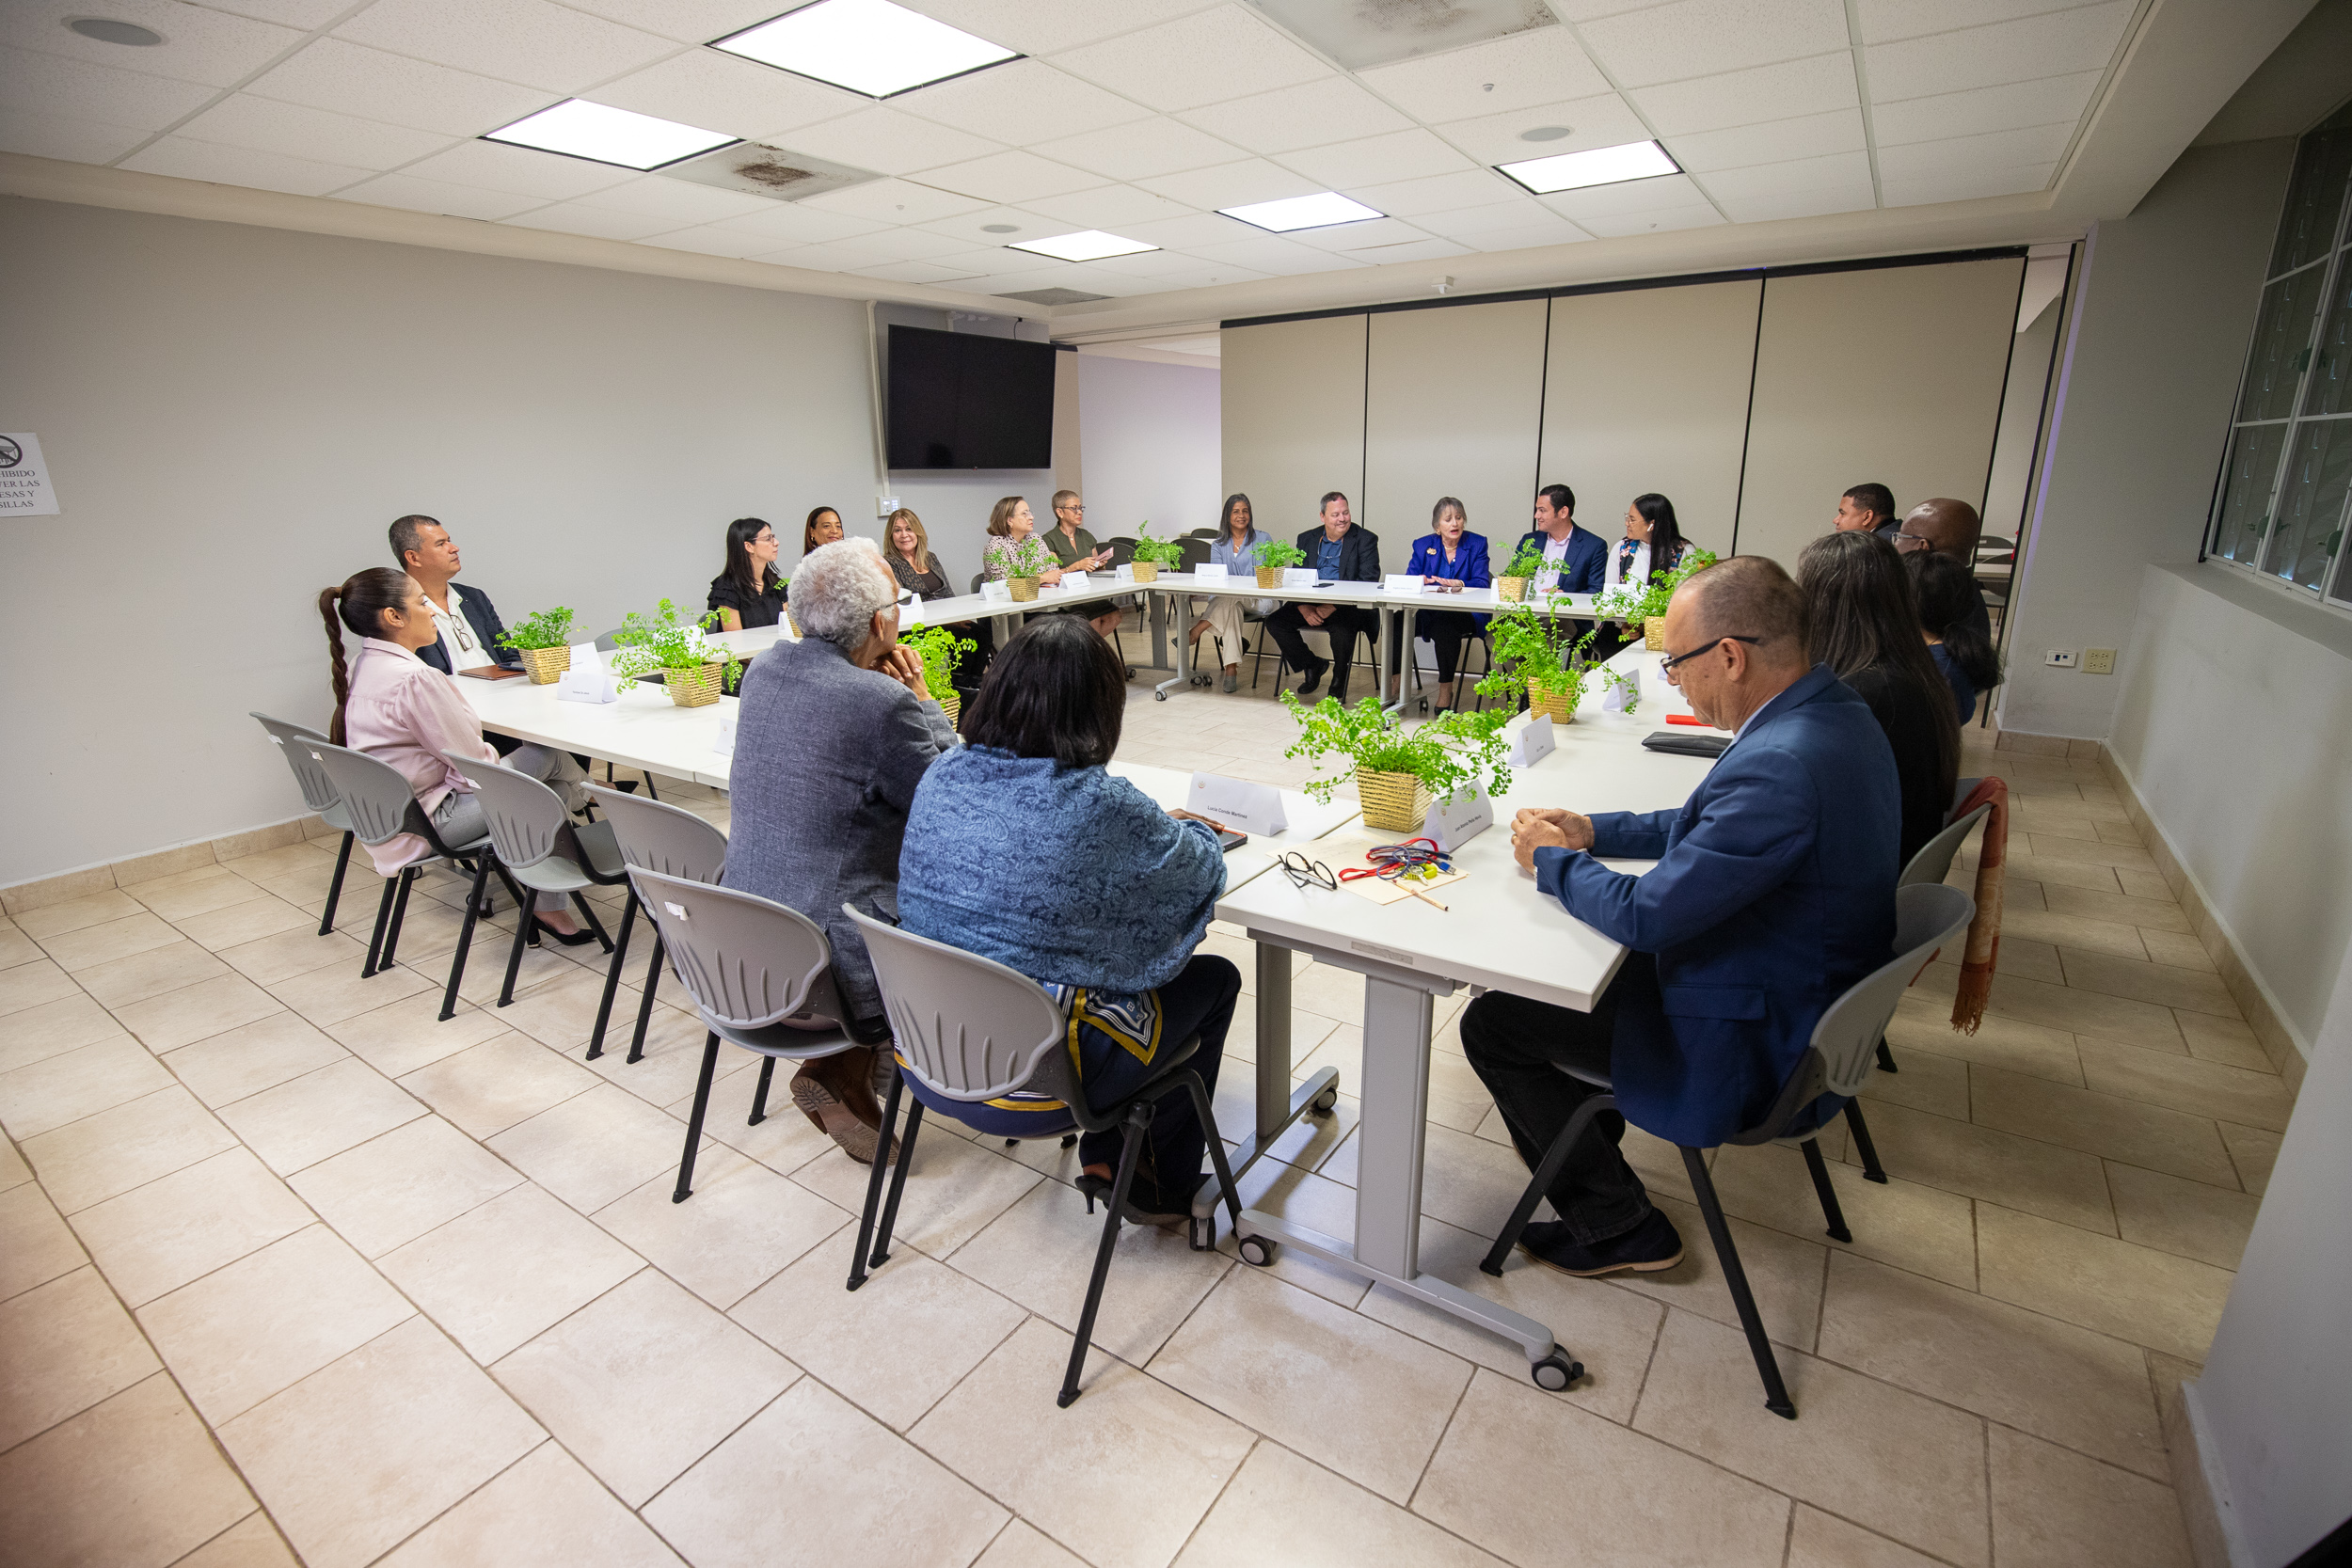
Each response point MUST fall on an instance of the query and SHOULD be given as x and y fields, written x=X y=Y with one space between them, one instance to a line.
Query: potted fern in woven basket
x=694 y=672
x=1644 y=605
x=1029 y=561
x=543 y=639
x=1274 y=558
x=938 y=647
x=1540 y=656
x=1398 y=771
x=1526 y=563
x=1152 y=554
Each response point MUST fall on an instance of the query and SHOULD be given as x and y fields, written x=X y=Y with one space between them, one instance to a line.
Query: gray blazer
x=827 y=756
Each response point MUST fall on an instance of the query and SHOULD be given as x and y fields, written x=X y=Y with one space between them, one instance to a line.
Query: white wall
x=1148 y=445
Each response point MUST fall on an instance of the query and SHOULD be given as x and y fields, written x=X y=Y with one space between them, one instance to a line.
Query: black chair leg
x=589 y=914
x=383 y=917
x=1736 y=1279
x=464 y=938
x=694 y=1122
x=1872 y=1170
x=881 y=1253
x=400 y=912
x=335 y=888
x=612 y=976
x=759 y=1095
x=1139 y=1123
x=1540 y=1183
x=1886 y=1057
x=644 y=1005
x=526 y=920
x=1818 y=1169
x=1204 y=1237
x=874 y=1181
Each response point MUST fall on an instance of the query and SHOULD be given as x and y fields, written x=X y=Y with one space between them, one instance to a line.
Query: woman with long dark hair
x=822 y=528
x=1864 y=623
x=1653 y=546
x=1236 y=548
x=750 y=593
x=1951 y=618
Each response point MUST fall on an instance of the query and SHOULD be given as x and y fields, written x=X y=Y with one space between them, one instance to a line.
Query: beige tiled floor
x=289 y=1271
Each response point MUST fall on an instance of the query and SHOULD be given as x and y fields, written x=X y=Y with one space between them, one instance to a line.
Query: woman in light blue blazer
x=1236 y=550
x=1450 y=555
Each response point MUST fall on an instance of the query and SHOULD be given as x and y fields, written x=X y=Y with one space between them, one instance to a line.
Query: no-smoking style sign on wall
x=24 y=487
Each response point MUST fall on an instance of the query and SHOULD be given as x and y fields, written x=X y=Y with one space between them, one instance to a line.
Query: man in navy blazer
x=1341 y=552
x=1577 y=559
x=1774 y=893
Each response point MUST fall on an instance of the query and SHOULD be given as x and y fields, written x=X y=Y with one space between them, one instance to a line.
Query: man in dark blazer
x=470 y=628
x=1338 y=552
x=1774 y=893
x=1576 y=559
x=1868 y=508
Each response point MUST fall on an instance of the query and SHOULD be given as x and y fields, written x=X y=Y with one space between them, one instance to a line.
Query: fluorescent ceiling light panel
x=1320 y=211
x=580 y=129
x=1088 y=244
x=868 y=46
x=1602 y=166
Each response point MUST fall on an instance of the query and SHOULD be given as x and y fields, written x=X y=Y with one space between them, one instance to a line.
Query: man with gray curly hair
x=834 y=734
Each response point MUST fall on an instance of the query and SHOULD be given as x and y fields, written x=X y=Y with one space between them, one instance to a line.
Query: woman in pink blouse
x=400 y=710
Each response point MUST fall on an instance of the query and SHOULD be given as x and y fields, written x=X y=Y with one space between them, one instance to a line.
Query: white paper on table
x=1209 y=571
x=1460 y=817
x=997 y=591
x=1401 y=582
x=1300 y=577
x=1122 y=572
x=1619 y=700
x=911 y=612
x=1074 y=579
x=724 y=743
x=586 y=657
x=1532 y=744
x=1247 y=807
x=586 y=685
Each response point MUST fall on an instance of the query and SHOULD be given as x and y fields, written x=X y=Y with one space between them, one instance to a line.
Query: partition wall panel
x=1451 y=409
x=1648 y=389
x=1888 y=374
x=1292 y=412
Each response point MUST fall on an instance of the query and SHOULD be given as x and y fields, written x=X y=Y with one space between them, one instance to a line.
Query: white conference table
x=1499 y=933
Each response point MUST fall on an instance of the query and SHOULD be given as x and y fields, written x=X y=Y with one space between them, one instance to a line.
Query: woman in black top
x=749 y=593
x=1951 y=618
x=1865 y=621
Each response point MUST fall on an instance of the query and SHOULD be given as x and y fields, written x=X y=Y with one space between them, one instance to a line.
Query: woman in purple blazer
x=1452 y=555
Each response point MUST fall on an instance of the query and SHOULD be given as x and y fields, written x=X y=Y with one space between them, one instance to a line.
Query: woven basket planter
x=1393 y=803
x=1269 y=576
x=546 y=666
x=952 y=705
x=1023 y=588
x=1145 y=571
x=1557 y=704
x=1512 y=590
x=697 y=687
x=1654 y=634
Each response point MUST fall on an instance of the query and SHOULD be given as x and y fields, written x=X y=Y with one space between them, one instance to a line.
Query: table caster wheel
x=1325 y=1102
x=1258 y=1252
x=1159 y=696
x=1556 y=1371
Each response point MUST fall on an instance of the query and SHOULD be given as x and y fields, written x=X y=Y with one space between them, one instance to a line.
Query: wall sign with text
x=24 y=487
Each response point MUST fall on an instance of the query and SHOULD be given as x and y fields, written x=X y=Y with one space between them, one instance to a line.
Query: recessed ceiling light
x=1302 y=212
x=105 y=30
x=1602 y=166
x=1000 y=229
x=1545 y=132
x=580 y=129
x=1088 y=245
x=868 y=46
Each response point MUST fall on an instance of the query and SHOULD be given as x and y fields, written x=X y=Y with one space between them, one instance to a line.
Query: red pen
x=1687 y=719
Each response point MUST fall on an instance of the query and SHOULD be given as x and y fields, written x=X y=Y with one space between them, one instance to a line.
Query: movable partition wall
x=1752 y=401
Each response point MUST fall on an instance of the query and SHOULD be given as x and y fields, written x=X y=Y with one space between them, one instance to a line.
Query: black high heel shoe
x=569 y=939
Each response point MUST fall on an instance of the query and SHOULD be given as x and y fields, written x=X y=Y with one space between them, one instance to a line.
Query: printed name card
x=586 y=685
x=1208 y=571
x=1533 y=743
x=1074 y=579
x=1401 y=582
x=911 y=612
x=724 y=743
x=1458 y=818
x=997 y=591
x=1122 y=574
x=1250 y=808
x=585 y=657
x=1298 y=577
x=1623 y=699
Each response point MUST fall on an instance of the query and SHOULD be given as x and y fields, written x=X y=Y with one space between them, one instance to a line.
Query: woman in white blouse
x=400 y=710
x=1653 y=546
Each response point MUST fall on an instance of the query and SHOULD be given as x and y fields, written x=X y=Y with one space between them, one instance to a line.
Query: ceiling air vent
x=758 y=169
x=1360 y=33
x=1055 y=296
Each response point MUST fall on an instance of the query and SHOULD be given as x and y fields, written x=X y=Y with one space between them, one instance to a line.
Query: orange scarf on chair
x=1984 y=932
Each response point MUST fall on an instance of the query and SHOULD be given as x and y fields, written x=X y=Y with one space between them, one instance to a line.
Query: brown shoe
x=837 y=1095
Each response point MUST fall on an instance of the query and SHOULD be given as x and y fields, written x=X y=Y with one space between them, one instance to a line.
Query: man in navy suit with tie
x=1774 y=893
x=1575 y=559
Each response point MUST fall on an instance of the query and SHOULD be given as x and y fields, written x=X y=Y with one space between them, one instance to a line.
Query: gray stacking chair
x=750 y=963
x=1933 y=863
x=1837 y=1061
x=652 y=837
x=318 y=793
x=538 y=847
x=970 y=1030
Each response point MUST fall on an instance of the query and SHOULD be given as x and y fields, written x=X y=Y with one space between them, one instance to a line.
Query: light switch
x=2098 y=661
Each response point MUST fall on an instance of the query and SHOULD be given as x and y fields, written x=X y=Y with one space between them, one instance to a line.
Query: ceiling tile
x=1026 y=93
x=710 y=240
x=305 y=14
x=1706 y=38
x=1884 y=21
x=1009 y=177
x=1191 y=274
x=1046 y=26
x=199 y=45
x=1231 y=185
x=2039 y=144
x=886 y=142
x=680 y=201
x=1141 y=148
x=1314 y=115
x=522 y=171
x=1227 y=53
x=1149 y=263
x=1378 y=160
x=798 y=223
x=1605 y=120
x=407 y=192
x=1743 y=97
x=68 y=137
x=912 y=272
x=1558 y=231
x=894 y=202
x=1593 y=10
x=1966 y=187
x=971 y=229
x=1190 y=232
x=686 y=20
x=1438 y=192
x=867 y=250
x=533 y=41
x=600 y=223
x=1108 y=207
x=329 y=73
x=2063 y=41
x=2009 y=107
x=1662 y=221
x=301 y=131
x=1274 y=255
x=1349 y=238
x=241 y=166
x=34 y=84
x=1633 y=196
x=1838 y=171
x=725 y=92
x=1429 y=248
x=1462 y=223
x=1500 y=76
x=1798 y=204
x=1805 y=136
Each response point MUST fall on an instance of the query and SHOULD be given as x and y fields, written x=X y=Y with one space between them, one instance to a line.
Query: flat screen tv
x=961 y=400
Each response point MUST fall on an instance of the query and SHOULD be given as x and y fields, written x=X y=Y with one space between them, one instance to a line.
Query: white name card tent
x=1208 y=571
x=1532 y=744
x=997 y=591
x=591 y=685
x=1621 y=700
x=1460 y=817
x=1249 y=808
x=911 y=612
x=1074 y=579
x=1300 y=577
x=724 y=744
x=1401 y=582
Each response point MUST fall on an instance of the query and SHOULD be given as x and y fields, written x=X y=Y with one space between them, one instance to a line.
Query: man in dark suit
x=1340 y=552
x=1774 y=892
x=1867 y=509
x=470 y=628
x=1950 y=528
x=1576 y=561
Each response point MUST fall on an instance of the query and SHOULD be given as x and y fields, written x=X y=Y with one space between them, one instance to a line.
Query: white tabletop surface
x=1482 y=600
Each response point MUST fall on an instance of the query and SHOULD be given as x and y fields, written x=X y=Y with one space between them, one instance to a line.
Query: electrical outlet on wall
x=2098 y=661
x=2059 y=658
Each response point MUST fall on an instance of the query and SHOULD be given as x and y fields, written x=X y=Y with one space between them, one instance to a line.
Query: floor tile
x=886 y=1503
x=488 y=1087
x=2069 y=1385
x=14 y=1172
x=81 y=1083
x=2131 y=1131
x=2003 y=1042
x=182 y=1227
x=1469 y=1182
x=1914 y=1226
x=1924 y=1080
x=2117 y=1288
x=955 y=1188
x=2206 y=1223
x=505 y=1270
x=116 y=939
x=2078 y=931
x=297 y=950
x=133 y=1482
x=197 y=1012
x=328 y=996
x=592 y=1148
x=2052 y=847
x=2178 y=949
x=485 y=970
x=36 y=1246
x=397 y=1038
x=1865 y=1449
x=193 y=892
x=1020 y=1545
x=741 y=1227
x=2197 y=989
x=305 y=1119
x=122 y=981
x=260 y=1055
x=218 y=930
x=2037 y=1178
x=259 y=1326
x=1280 y=1507
x=1307 y=1200
x=562 y=1012
x=544 y=1511
x=393 y=1188
x=69 y=1346
x=2150 y=913
x=2230 y=1041
x=2028 y=960
x=1819 y=1540
x=2052 y=1509
x=1650 y=1502
x=905 y=1338
x=784 y=1140
x=672 y=1059
x=2084 y=1012
x=54 y=1028
x=2253 y=1152
x=16 y=947
x=361 y=1454
x=2197 y=1088
x=252 y=1542
x=1121 y=1478
x=1783 y=1273
x=91 y=1160
x=52 y=920
x=31 y=984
